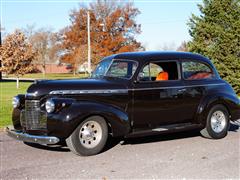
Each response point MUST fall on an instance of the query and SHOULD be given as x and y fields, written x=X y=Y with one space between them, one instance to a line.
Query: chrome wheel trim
x=218 y=121
x=90 y=134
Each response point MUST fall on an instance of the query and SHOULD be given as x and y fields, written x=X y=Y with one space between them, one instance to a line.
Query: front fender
x=231 y=102
x=65 y=121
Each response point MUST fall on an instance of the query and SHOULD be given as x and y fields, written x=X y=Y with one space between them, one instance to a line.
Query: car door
x=158 y=102
x=198 y=77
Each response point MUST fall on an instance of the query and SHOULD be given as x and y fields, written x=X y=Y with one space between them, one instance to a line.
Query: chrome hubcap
x=90 y=134
x=218 y=121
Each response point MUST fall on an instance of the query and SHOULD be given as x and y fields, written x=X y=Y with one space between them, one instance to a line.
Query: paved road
x=181 y=155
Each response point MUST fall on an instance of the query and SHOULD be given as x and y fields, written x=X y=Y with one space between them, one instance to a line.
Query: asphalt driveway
x=180 y=155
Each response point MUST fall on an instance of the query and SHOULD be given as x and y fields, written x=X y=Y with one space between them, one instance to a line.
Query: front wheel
x=90 y=137
x=217 y=123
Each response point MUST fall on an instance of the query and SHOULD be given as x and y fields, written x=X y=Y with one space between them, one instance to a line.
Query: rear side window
x=196 y=70
x=159 y=71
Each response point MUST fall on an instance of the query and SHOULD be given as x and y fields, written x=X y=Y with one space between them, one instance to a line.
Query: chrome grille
x=31 y=105
x=32 y=117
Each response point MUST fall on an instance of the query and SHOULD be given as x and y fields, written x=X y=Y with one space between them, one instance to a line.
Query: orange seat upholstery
x=203 y=75
x=162 y=76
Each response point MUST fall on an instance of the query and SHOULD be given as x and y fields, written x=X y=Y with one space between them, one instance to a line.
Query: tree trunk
x=44 y=70
x=74 y=69
x=74 y=72
x=17 y=83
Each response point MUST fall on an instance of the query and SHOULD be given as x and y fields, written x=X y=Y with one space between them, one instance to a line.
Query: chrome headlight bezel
x=50 y=106
x=16 y=102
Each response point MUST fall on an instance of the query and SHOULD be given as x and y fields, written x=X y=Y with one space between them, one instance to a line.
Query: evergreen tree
x=216 y=34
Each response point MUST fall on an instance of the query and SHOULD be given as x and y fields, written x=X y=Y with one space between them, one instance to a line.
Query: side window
x=122 y=69
x=159 y=71
x=101 y=68
x=196 y=70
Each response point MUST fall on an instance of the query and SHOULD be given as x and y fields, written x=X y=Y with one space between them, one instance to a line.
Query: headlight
x=50 y=106
x=16 y=102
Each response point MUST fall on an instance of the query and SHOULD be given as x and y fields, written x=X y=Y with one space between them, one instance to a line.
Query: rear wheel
x=90 y=137
x=217 y=123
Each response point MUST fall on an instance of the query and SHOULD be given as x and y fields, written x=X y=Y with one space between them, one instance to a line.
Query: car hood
x=44 y=87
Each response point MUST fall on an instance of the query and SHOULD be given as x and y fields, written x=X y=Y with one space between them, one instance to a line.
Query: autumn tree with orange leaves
x=113 y=30
x=16 y=54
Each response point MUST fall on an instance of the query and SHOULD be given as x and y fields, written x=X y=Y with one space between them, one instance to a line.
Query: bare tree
x=168 y=47
x=40 y=42
x=183 y=47
x=54 y=47
x=46 y=45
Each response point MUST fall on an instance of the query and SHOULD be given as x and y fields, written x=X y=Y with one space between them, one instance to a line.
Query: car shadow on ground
x=161 y=137
x=234 y=127
x=149 y=139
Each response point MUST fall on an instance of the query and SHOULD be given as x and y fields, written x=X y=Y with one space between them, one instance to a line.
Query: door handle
x=182 y=90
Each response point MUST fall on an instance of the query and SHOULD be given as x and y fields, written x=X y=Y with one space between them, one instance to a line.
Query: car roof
x=159 y=55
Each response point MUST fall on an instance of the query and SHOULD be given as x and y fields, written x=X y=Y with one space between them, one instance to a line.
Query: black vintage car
x=128 y=95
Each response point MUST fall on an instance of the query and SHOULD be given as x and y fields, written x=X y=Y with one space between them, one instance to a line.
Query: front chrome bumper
x=31 y=138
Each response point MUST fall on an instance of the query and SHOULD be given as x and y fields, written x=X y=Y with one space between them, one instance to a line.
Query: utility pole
x=89 y=43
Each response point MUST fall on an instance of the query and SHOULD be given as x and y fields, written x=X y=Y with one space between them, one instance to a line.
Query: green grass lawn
x=7 y=91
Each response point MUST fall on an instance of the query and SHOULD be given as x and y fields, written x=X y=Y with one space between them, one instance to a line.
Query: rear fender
x=229 y=101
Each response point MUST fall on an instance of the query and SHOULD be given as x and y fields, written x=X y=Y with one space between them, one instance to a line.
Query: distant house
x=61 y=68
x=54 y=68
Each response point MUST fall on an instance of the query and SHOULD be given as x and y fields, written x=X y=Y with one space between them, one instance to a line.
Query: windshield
x=101 y=68
x=122 y=69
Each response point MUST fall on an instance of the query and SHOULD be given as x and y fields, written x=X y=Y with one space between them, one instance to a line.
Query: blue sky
x=163 y=21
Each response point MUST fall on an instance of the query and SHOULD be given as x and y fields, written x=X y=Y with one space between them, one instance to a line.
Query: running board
x=174 y=127
x=166 y=128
